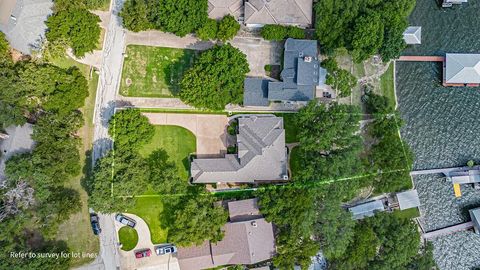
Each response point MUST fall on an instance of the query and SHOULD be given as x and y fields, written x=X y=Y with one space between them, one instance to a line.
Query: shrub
x=208 y=31
x=227 y=28
x=471 y=163
x=280 y=32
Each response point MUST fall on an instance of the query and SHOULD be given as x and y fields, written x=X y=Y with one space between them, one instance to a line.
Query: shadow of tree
x=173 y=73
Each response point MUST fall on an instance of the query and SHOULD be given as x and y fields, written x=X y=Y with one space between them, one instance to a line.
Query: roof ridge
x=303 y=12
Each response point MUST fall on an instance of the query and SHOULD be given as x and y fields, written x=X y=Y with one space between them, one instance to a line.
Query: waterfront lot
x=154 y=71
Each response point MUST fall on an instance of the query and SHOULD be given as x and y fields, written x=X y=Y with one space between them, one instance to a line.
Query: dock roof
x=366 y=209
x=462 y=68
x=408 y=199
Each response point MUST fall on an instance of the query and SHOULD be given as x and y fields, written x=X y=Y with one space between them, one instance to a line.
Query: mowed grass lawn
x=387 y=84
x=154 y=71
x=149 y=209
x=179 y=143
x=128 y=237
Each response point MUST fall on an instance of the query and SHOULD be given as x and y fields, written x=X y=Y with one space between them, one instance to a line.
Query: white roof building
x=366 y=209
x=462 y=68
x=408 y=199
x=413 y=35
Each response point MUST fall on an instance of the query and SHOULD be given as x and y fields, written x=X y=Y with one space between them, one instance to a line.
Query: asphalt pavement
x=110 y=74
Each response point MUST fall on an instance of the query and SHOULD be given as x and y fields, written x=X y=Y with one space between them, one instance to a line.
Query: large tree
x=363 y=26
x=216 y=78
x=197 y=219
x=130 y=129
x=135 y=15
x=227 y=28
x=77 y=26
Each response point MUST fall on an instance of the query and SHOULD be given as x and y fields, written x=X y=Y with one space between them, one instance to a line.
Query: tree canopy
x=215 y=79
x=180 y=17
x=364 y=27
x=227 y=28
x=197 y=219
x=340 y=79
x=280 y=32
x=78 y=27
x=130 y=129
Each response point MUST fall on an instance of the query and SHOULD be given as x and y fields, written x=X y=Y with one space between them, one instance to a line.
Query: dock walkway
x=445 y=171
x=421 y=58
x=448 y=230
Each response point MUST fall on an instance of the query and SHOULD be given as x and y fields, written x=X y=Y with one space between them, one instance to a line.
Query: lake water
x=443 y=125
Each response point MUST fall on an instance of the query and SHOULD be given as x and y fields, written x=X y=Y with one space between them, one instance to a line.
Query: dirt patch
x=128 y=81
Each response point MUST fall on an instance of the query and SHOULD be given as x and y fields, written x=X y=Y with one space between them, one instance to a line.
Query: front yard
x=154 y=71
x=178 y=142
x=149 y=209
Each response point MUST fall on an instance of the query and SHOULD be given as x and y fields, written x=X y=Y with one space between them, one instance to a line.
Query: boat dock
x=448 y=230
x=421 y=58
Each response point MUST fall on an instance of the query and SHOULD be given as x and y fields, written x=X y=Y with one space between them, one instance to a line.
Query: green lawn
x=387 y=84
x=178 y=142
x=295 y=165
x=290 y=127
x=149 y=209
x=128 y=237
x=407 y=213
x=154 y=71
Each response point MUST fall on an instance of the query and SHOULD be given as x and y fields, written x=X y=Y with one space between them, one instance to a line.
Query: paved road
x=110 y=73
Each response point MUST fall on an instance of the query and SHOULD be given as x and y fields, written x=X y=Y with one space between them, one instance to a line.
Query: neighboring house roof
x=300 y=75
x=408 y=199
x=217 y=9
x=413 y=35
x=475 y=216
x=286 y=12
x=462 y=68
x=23 y=22
x=261 y=154
x=244 y=242
x=255 y=92
x=244 y=210
x=366 y=209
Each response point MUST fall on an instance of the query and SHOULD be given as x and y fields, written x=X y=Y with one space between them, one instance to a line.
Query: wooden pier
x=421 y=58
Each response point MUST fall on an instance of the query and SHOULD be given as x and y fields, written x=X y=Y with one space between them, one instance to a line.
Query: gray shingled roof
x=462 y=68
x=475 y=216
x=261 y=154
x=366 y=209
x=255 y=92
x=26 y=28
x=300 y=76
x=413 y=35
x=244 y=210
x=217 y=9
x=285 y=12
x=245 y=242
x=408 y=199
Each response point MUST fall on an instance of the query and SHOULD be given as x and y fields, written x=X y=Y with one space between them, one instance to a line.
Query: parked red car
x=143 y=253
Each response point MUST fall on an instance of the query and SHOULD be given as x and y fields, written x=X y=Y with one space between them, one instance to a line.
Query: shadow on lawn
x=175 y=70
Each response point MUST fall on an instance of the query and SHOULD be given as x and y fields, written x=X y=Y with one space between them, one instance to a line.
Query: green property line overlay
x=296 y=185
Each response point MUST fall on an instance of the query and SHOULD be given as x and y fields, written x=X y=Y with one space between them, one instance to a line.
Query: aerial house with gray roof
x=300 y=77
x=261 y=157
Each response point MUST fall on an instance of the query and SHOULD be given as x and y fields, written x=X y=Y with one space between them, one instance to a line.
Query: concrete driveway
x=128 y=260
x=209 y=129
x=259 y=53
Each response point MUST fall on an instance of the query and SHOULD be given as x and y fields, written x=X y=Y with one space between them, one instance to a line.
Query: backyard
x=154 y=71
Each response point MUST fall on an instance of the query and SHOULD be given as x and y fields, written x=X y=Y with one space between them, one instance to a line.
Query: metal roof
x=413 y=35
x=408 y=199
x=366 y=209
x=475 y=216
x=465 y=177
x=462 y=68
